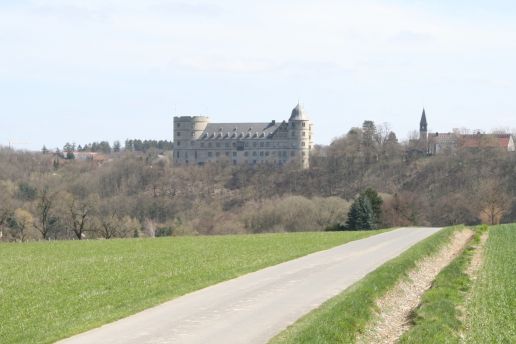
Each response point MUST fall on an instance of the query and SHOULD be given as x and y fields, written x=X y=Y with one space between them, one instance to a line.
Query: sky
x=90 y=70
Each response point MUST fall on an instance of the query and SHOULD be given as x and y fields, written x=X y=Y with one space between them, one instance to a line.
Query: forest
x=138 y=192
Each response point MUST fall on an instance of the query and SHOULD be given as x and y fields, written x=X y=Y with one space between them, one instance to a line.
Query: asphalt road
x=255 y=307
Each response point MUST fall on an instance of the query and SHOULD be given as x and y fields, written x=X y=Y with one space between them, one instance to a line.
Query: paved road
x=255 y=307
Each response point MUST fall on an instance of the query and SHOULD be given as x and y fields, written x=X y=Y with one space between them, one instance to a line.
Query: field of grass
x=491 y=311
x=340 y=319
x=437 y=319
x=51 y=290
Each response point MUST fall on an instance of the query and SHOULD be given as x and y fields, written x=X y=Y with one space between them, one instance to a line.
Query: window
x=303 y=143
x=304 y=134
x=209 y=144
x=246 y=153
x=292 y=153
x=218 y=144
x=255 y=144
x=261 y=153
x=217 y=154
x=179 y=125
x=178 y=155
x=227 y=153
x=255 y=154
x=234 y=153
x=227 y=145
x=261 y=144
x=304 y=124
x=266 y=153
x=178 y=134
x=210 y=154
x=202 y=144
x=178 y=143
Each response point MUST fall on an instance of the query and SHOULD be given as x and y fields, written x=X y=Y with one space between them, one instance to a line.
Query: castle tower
x=186 y=130
x=300 y=131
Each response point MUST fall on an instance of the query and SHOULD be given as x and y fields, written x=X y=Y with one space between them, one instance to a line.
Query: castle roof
x=240 y=130
x=298 y=114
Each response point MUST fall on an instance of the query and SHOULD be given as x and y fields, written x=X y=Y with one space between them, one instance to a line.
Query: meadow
x=51 y=290
x=491 y=311
x=343 y=317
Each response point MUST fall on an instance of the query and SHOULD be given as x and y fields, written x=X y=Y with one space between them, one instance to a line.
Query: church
x=197 y=141
x=436 y=143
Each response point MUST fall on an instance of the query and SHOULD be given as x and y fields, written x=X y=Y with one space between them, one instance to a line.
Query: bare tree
x=44 y=205
x=493 y=202
x=79 y=213
x=23 y=223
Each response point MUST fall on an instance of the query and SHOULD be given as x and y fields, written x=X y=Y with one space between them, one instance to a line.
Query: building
x=504 y=141
x=198 y=141
x=435 y=143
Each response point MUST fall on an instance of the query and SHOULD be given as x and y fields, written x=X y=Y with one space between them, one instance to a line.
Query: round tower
x=186 y=130
x=300 y=133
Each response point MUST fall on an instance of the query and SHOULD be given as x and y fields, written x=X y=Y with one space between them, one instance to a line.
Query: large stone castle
x=197 y=141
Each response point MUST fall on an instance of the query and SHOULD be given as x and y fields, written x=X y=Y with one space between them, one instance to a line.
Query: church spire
x=423 y=125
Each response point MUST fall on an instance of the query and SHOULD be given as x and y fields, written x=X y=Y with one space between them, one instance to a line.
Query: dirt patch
x=395 y=307
x=478 y=258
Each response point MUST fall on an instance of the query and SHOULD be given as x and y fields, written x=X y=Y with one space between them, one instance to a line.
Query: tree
x=376 y=204
x=493 y=202
x=44 y=205
x=44 y=150
x=116 y=146
x=23 y=223
x=79 y=213
x=361 y=215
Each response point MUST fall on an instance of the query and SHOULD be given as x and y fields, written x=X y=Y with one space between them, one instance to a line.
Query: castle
x=197 y=141
x=435 y=143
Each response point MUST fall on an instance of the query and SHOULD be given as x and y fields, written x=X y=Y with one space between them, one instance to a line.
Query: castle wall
x=289 y=142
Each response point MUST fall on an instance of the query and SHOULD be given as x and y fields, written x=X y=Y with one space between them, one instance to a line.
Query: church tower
x=423 y=127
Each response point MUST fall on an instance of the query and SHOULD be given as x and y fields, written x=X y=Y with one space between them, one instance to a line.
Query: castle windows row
x=240 y=145
x=246 y=154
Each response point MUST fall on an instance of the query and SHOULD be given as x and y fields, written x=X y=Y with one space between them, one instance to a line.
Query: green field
x=438 y=317
x=491 y=313
x=51 y=290
x=340 y=319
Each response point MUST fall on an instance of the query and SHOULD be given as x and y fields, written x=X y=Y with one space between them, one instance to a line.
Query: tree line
x=364 y=179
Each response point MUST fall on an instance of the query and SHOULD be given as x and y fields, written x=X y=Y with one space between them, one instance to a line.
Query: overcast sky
x=88 y=70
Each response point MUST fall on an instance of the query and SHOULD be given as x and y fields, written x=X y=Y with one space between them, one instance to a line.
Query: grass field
x=51 y=290
x=340 y=319
x=491 y=311
x=438 y=317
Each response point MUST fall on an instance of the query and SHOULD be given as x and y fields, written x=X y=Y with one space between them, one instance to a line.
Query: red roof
x=486 y=140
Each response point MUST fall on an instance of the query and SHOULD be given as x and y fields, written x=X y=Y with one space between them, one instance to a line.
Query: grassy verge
x=340 y=319
x=52 y=290
x=437 y=319
x=491 y=310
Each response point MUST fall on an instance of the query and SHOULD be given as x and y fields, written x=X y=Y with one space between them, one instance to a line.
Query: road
x=255 y=307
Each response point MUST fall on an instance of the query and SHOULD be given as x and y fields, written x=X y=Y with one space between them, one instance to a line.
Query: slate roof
x=240 y=130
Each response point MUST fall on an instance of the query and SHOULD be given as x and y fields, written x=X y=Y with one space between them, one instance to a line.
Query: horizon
x=86 y=71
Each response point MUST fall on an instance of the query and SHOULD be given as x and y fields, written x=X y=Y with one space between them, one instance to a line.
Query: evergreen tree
x=44 y=150
x=376 y=204
x=361 y=215
x=116 y=146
